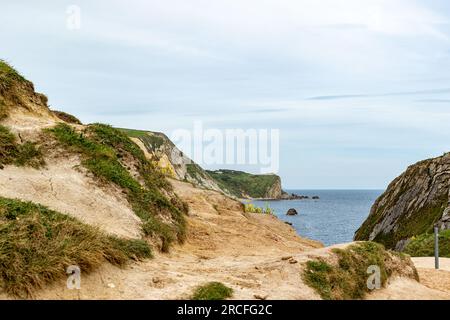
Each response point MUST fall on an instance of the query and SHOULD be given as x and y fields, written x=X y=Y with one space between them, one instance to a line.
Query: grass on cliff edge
x=109 y=154
x=241 y=184
x=8 y=75
x=212 y=291
x=348 y=278
x=11 y=152
x=67 y=117
x=423 y=245
x=38 y=244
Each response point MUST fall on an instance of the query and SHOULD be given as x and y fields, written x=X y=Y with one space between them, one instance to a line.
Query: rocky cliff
x=163 y=152
x=411 y=205
x=245 y=185
x=175 y=164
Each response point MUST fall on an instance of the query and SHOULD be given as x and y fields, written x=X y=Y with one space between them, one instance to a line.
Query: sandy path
x=432 y=278
x=434 y=284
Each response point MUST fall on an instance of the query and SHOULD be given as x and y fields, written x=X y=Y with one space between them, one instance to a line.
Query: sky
x=358 y=90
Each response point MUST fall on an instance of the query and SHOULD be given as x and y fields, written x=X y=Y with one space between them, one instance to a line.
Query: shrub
x=212 y=291
x=26 y=154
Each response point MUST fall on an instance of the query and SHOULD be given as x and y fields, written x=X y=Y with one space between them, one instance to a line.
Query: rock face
x=411 y=205
x=291 y=212
x=163 y=152
x=274 y=191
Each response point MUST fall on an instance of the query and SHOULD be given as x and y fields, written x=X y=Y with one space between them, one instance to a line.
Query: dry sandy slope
x=64 y=186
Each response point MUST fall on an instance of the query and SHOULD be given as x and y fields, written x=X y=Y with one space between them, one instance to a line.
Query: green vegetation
x=212 y=291
x=8 y=75
x=3 y=109
x=348 y=278
x=38 y=244
x=251 y=208
x=66 y=117
x=197 y=173
x=423 y=245
x=110 y=155
x=242 y=184
x=133 y=132
x=413 y=220
x=150 y=139
x=26 y=154
x=9 y=80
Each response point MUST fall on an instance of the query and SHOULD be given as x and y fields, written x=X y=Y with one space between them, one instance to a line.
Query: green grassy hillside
x=243 y=185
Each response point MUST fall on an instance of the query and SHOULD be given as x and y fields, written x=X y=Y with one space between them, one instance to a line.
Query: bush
x=102 y=148
x=212 y=291
x=423 y=245
x=251 y=208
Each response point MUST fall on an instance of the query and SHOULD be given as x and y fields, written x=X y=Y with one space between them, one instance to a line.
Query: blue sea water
x=332 y=219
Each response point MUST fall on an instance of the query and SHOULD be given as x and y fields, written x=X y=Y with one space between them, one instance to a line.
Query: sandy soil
x=434 y=284
x=408 y=289
x=64 y=187
x=432 y=278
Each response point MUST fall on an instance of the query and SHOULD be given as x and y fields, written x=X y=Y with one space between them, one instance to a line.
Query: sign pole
x=436 y=247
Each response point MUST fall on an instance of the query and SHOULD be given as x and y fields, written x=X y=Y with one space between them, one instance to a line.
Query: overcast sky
x=358 y=89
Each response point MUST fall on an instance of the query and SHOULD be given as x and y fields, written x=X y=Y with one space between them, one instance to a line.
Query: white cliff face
x=411 y=205
x=275 y=191
x=174 y=162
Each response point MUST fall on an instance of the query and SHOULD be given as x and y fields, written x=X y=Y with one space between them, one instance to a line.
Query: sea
x=332 y=219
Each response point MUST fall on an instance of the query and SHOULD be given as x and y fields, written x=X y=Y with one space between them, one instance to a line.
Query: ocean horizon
x=332 y=219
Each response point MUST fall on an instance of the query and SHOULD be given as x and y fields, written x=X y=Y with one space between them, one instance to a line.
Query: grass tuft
x=38 y=244
x=212 y=291
x=347 y=279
